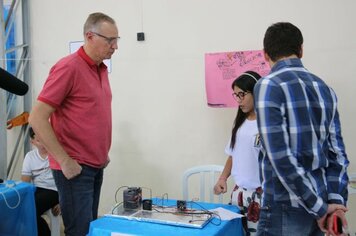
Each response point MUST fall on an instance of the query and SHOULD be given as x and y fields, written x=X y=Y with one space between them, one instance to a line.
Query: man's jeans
x=283 y=220
x=79 y=199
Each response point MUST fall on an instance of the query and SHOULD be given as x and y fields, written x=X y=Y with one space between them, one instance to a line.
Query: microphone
x=12 y=84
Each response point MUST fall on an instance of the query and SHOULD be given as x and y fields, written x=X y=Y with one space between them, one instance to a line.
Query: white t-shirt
x=245 y=166
x=39 y=170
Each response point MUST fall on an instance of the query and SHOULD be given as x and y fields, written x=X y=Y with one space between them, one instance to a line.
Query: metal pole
x=27 y=65
x=3 y=103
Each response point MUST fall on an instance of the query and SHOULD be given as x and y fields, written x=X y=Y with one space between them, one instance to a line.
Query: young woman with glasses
x=242 y=150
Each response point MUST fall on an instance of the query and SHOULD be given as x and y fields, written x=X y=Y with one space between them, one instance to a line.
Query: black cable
x=160 y=208
x=190 y=212
x=210 y=212
x=161 y=199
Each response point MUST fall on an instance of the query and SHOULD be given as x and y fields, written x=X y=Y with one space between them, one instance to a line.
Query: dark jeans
x=281 y=220
x=45 y=199
x=79 y=199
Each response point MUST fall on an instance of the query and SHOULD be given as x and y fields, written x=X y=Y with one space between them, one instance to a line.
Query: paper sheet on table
x=120 y=234
x=226 y=214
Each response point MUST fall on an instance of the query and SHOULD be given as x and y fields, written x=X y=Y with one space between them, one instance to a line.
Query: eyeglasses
x=240 y=95
x=109 y=40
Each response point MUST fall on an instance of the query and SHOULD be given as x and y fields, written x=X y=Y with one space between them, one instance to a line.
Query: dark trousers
x=278 y=219
x=45 y=199
x=79 y=199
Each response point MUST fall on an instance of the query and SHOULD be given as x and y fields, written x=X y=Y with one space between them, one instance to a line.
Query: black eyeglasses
x=109 y=40
x=240 y=95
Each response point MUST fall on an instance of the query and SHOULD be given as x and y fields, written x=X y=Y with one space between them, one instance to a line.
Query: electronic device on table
x=132 y=198
x=134 y=208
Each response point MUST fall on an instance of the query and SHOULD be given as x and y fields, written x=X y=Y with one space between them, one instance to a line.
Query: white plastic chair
x=352 y=181
x=54 y=223
x=208 y=172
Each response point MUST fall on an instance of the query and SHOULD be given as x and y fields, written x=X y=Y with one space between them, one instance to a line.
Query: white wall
x=161 y=123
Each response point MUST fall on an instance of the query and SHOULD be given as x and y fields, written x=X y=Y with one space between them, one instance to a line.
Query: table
x=108 y=226
x=21 y=220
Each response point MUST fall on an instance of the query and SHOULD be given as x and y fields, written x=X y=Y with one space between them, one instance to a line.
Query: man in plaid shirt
x=303 y=160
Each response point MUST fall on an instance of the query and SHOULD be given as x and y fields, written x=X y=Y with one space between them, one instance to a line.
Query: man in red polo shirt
x=72 y=117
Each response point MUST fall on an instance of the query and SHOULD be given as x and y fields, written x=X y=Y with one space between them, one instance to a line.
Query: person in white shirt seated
x=36 y=169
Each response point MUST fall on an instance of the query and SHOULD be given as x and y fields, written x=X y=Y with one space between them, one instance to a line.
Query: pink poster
x=221 y=69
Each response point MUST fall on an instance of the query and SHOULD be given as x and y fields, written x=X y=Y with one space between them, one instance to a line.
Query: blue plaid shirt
x=303 y=160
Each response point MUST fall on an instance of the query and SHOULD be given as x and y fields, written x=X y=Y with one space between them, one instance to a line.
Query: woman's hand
x=56 y=210
x=220 y=186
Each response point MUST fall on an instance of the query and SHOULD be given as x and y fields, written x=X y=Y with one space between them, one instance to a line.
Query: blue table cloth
x=17 y=209
x=106 y=225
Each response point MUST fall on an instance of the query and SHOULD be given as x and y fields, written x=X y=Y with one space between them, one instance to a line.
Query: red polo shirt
x=80 y=92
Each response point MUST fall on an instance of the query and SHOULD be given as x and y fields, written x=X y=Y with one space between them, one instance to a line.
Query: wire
x=165 y=194
x=190 y=212
x=18 y=195
x=116 y=206
x=210 y=212
x=218 y=217
x=172 y=209
x=161 y=199
x=118 y=191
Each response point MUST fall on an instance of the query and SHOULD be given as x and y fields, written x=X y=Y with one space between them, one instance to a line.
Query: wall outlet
x=141 y=36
